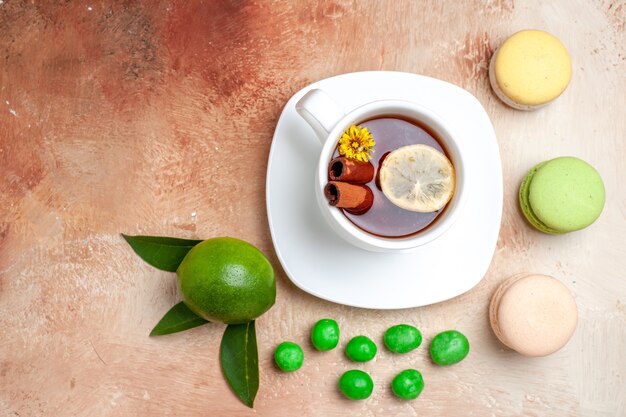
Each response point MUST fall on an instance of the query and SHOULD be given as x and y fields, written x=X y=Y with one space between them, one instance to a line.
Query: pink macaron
x=533 y=314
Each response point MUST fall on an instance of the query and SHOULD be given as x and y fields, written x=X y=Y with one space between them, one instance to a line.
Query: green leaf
x=240 y=361
x=178 y=319
x=161 y=252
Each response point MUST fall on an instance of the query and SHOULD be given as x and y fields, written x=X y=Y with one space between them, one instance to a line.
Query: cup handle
x=320 y=111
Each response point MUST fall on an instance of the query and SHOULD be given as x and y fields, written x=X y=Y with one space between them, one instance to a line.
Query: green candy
x=361 y=349
x=402 y=338
x=449 y=347
x=408 y=384
x=289 y=356
x=325 y=334
x=356 y=385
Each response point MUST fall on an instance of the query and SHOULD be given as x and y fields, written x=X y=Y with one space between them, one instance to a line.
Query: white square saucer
x=319 y=262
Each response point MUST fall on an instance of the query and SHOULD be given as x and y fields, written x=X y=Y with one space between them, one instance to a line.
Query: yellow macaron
x=530 y=69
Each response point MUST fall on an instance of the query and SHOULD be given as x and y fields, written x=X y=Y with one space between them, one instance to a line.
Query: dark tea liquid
x=384 y=218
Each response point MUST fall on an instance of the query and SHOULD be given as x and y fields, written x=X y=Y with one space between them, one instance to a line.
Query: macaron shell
x=525 y=204
x=494 y=305
x=566 y=194
x=501 y=95
x=532 y=68
x=536 y=315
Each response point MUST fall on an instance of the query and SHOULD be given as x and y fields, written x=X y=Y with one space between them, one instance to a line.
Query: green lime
x=356 y=385
x=289 y=356
x=408 y=384
x=325 y=334
x=361 y=349
x=402 y=338
x=227 y=280
x=449 y=347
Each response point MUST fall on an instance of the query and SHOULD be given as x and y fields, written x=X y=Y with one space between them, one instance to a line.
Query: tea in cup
x=390 y=175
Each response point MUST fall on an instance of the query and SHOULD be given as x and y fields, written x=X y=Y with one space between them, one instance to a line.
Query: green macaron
x=562 y=195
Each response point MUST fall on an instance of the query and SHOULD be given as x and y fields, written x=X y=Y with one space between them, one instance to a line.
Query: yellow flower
x=356 y=143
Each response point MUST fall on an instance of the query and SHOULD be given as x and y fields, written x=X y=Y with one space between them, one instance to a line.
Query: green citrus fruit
x=227 y=280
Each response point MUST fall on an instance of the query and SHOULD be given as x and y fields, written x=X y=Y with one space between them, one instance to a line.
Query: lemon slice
x=417 y=178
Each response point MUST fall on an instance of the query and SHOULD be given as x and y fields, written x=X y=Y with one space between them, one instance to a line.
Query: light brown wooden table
x=157 y=118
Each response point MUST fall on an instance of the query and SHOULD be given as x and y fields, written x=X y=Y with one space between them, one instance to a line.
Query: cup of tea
x=390 y=175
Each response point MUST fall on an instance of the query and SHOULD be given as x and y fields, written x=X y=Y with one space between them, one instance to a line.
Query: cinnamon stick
x=344 y=169
x=355 y=199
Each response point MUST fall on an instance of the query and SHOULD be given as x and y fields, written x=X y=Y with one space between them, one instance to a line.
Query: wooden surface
x=157 y=118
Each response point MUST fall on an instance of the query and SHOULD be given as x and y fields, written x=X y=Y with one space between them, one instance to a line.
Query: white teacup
x=329 y=121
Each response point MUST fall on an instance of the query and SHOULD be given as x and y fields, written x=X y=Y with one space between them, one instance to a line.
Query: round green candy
x=408 y=384
x=402 y=338
x=325 y=334
x=361 y=349
x=289 y=356
x=356 y=385
x=449 y=347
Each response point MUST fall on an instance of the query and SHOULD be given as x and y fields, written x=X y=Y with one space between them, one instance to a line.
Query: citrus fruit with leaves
x=227 y=280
